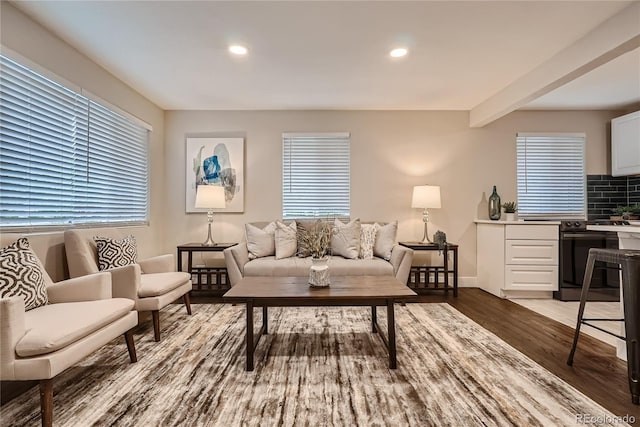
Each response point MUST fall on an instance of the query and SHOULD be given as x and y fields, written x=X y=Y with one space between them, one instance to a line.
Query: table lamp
x=426 y=197
x=210 y=197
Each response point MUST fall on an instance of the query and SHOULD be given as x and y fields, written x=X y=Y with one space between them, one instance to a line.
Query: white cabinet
x=625 y=145
x=517 y=258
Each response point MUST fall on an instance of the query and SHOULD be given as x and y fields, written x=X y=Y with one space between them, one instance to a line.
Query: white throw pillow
x=261 y=242
x=367 y=240
x=385 y=240
x=345 y=239
x=286 y=240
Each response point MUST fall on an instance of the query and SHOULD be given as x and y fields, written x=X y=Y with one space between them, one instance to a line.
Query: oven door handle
x=588 y=235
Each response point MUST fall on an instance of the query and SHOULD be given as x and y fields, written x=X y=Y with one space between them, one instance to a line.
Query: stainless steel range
x=575 y=242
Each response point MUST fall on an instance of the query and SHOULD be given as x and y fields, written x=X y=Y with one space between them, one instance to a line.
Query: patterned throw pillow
x=114 y=253
x=367 y=240
x=22 y=274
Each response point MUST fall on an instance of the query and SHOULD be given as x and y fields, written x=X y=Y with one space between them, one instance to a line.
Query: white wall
x=391 y=151
x=29 y=39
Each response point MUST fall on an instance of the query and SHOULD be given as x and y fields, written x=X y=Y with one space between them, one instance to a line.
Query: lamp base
x=209 y=241
x=425 y=238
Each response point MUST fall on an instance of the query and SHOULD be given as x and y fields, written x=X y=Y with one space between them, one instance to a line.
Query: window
x=315 y=175
x=66 y=159
x=551 y=175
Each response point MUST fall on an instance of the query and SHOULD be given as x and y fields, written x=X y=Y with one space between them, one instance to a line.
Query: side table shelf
x=428 y=277
x=211 y=279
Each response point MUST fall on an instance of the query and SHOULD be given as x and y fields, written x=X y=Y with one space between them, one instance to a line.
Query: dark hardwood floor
x=596 y=371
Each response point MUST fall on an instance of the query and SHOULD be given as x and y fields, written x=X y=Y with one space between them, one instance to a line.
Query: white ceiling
x=334 y=55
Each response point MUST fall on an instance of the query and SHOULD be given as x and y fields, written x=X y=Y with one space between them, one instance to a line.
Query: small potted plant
x=626 y=213
x=510 y=208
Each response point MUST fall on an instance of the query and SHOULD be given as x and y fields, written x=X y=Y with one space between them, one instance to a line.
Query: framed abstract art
x=215 y=161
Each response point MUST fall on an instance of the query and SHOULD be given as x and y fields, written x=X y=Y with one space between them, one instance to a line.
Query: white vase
x=511 y=216
x=319 y=273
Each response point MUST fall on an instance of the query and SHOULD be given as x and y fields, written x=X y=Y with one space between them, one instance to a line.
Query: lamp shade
x=210 y=197
x=426 y=196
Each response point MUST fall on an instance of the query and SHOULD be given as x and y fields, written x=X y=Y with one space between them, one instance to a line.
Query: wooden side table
x=415 y=281
x=205 y=278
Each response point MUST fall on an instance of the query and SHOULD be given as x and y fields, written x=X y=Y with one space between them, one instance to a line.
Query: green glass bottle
x=494 y=205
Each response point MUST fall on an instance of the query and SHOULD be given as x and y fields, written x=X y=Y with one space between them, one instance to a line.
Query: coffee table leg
x=265 y=331
x=391 y=323
x=249 y=335
x=374 y=319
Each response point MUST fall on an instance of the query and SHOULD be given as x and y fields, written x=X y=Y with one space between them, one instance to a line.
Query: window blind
x=316 y=175
x=66 y=159
x=551 y=176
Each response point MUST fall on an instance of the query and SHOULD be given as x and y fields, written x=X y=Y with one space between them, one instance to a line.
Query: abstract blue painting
x=216 y=161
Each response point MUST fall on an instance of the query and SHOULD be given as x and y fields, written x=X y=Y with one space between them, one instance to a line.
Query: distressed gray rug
x=319 y=367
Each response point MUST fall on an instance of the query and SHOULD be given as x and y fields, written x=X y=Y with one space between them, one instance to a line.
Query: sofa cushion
x=113 y=253
x=345 y=239
x=385 y=240
x=338 y=266
x=286 y=240
x=261 y=242
x=22 y=274
x=156 y=284
x=54 y=326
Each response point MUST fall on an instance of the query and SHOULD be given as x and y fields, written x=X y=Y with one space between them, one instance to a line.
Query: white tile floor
x=566 y=312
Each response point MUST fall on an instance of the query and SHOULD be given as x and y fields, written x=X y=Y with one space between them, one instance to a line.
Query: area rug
x=319 y=366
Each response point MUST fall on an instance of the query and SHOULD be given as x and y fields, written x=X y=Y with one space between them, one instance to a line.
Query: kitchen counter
x=516 y=222
x=615 y=228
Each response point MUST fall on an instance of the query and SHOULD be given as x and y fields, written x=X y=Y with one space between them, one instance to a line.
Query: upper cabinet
x=625 y=145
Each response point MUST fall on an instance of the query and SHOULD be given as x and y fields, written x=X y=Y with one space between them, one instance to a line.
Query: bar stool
x=629 y=260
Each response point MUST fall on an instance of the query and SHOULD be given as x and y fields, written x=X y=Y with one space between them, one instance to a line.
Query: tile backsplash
x=606 y=192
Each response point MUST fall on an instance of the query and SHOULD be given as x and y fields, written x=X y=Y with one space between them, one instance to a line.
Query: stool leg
x=631 y=308
x=583 y=300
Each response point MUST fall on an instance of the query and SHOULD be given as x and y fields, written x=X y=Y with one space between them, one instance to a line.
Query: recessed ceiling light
x=236 y=49
x=399 y=52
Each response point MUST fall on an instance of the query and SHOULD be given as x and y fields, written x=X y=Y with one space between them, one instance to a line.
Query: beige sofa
x=239 y=265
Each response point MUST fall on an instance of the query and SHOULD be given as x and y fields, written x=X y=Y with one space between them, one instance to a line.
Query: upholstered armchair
x=74 y=319
x=152 y=284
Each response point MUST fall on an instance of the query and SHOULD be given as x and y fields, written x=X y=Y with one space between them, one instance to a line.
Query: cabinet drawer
x=541 y=232
x=536 y=252
x=531 y=277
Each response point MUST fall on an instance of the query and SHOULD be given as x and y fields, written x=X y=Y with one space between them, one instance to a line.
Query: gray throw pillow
x=385 y=240
x=286 y=240
x=261 y=242
x=22 y=275
x=345 y=240
x=114 y=253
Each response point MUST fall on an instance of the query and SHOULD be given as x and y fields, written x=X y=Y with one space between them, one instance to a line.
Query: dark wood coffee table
x=371 y=291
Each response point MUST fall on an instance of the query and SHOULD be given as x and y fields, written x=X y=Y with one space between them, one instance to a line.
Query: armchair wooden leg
x=128 y=337
x=46 y=402
x=187 y=303
x=156 y=324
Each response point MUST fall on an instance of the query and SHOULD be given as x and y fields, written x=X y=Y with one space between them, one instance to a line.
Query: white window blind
x=551 y=176
x=315 y=175
x=65 y=159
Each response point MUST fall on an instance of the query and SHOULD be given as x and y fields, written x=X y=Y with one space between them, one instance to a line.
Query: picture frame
x=215 y=161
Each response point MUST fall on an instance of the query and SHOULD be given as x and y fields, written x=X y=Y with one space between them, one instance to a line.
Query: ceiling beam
x=618 y=35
